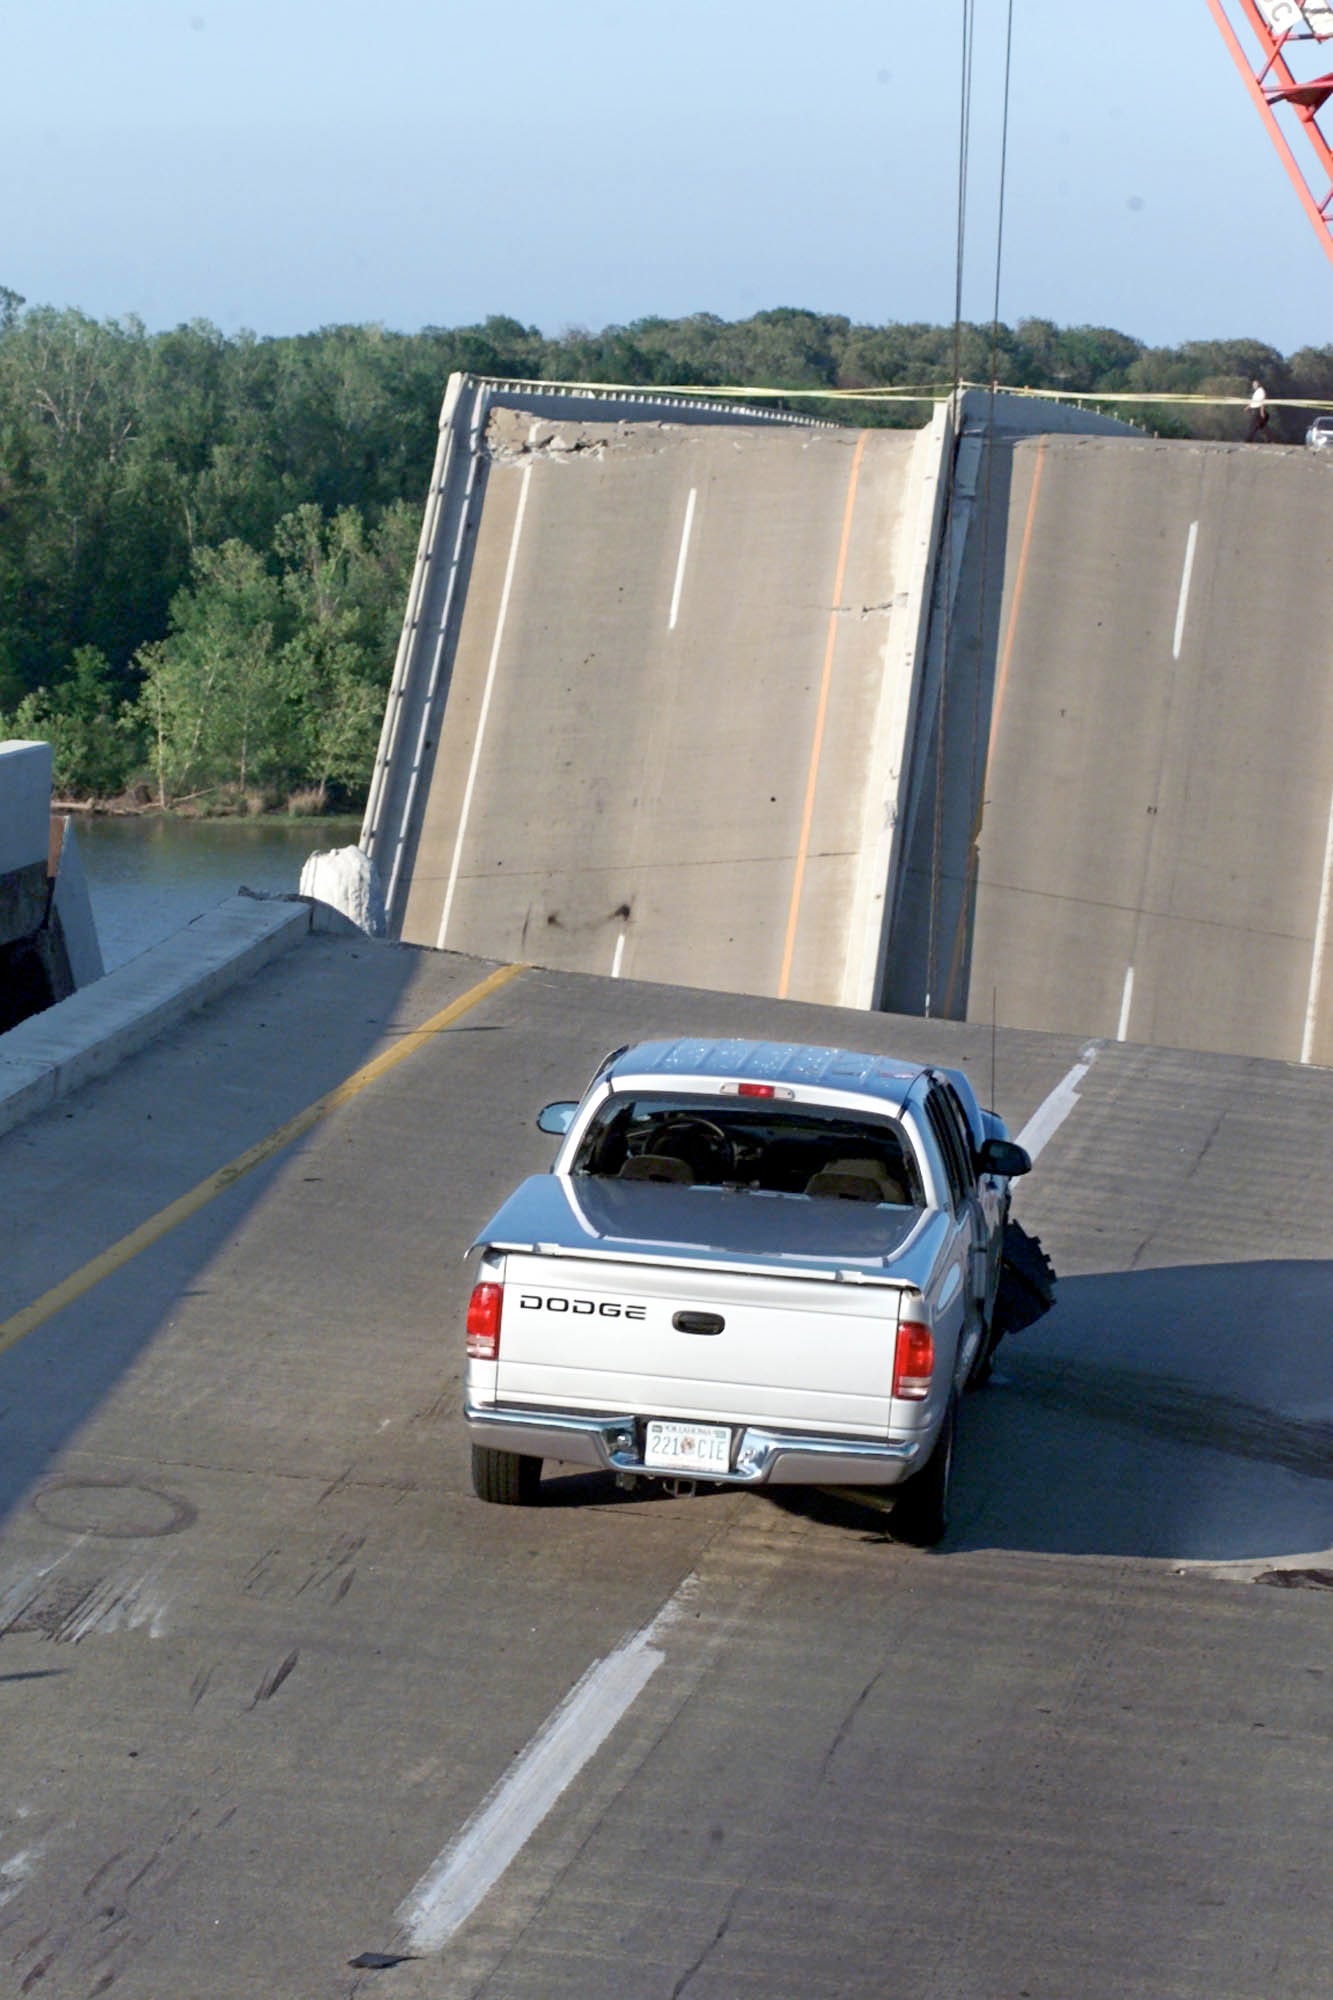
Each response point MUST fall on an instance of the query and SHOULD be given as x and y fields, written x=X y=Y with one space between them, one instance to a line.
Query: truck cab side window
x=950 y=1144
x=959 y=1116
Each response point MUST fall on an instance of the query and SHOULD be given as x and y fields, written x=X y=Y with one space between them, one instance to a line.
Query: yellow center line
x=157 y=1226
x=808 y=814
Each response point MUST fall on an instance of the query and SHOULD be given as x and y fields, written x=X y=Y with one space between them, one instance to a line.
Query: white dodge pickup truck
x=751 y=1263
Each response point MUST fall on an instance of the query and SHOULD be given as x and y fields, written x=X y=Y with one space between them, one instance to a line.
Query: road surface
x=1157 y=835
x=265 y=1659
x=657 y=759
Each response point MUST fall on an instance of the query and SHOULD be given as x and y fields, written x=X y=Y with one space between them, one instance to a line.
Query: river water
x=150 y=875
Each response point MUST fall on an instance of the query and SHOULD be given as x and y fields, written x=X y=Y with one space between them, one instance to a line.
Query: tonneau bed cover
x=560 y=1215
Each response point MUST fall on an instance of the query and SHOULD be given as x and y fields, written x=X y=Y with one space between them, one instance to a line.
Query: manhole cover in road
x=118 y=1508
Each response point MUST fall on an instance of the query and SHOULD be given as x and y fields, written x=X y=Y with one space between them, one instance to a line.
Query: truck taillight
x=483 y=1322
x=913 y=1361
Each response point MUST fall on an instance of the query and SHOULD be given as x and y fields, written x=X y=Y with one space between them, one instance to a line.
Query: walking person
x=1256 y=429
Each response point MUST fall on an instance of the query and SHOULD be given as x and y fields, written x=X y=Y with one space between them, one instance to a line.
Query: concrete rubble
x=343 y=880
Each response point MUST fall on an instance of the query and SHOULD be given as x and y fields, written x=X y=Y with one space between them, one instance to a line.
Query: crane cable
x=999 y=218
x=937 y=833
x=968 y=877
x=964 y=147
x=977 y=778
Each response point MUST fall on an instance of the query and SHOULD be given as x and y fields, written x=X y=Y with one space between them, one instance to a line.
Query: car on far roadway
x=1319 y=437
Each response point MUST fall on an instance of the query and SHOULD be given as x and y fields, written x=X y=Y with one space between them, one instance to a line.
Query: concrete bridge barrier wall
x=48 y=940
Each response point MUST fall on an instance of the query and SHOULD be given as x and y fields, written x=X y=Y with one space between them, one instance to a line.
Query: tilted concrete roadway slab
x=1157 y=836
x=663 y=752
x=264 y=1656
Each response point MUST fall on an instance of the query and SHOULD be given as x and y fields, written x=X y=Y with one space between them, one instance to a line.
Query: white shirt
x=1258 y=399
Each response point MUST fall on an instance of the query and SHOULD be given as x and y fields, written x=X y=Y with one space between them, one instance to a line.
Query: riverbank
x=129 y=805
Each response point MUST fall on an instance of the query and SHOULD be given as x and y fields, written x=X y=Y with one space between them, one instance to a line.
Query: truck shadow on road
x=1183 y=1413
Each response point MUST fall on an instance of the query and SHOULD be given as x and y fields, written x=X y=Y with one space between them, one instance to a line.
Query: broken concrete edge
x=51 y=1054
x=915 y=562
x=933 y=532
x=343 y=882
x=1024 y=416
x=71 y=904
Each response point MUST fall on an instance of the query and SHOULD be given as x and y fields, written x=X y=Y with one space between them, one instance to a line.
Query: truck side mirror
x=556 y=1118
x=1004 y=1156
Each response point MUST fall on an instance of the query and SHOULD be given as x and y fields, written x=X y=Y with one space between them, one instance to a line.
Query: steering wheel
x=667 y=1138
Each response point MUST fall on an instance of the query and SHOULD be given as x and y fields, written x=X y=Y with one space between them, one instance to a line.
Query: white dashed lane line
x=1320 y=946
x=1183 y=603
x=680 y=559
x=1052 y=1112
x=473 y=1862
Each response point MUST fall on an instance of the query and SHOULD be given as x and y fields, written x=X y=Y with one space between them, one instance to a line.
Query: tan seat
x=656 y=1167
x=856 y=1180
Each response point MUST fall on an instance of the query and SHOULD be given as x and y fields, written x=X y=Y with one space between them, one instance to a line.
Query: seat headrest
x=856 y=1180
x=656 y=1167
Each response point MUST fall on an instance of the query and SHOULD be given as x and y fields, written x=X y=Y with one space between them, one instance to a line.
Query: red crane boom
x=1280 y=33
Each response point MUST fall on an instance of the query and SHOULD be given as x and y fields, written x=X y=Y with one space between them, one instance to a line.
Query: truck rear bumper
x=759 y=1457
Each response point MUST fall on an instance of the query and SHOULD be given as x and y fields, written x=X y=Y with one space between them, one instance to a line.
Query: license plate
x=687 y=1447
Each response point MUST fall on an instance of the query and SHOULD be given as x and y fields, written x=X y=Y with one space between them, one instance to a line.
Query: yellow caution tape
x=921 y=392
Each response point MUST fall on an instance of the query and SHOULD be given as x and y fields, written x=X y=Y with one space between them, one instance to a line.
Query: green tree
x=218 y=707
x=93 y=734
x=345 y=590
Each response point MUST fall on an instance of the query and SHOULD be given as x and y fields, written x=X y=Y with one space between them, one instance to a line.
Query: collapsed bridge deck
x=950 y=721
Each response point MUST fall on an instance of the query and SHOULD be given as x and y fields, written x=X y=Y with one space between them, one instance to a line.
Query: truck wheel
x=506 y=1478
x=921 y=1510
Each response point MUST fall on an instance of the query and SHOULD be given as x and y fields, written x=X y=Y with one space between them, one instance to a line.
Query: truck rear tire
x=921 y=1511
x=505 y=1478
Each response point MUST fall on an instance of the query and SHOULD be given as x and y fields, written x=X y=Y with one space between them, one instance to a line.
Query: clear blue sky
x=286 y=164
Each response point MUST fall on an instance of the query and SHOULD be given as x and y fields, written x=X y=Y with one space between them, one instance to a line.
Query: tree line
x=206 y=541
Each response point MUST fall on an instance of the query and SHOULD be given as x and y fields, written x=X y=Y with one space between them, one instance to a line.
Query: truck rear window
x=764 y=1147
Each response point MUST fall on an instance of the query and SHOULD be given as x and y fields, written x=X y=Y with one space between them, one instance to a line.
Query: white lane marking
x=1184 y=589
x=1051 y=1114
x=477 y=1857
x=1122 y=1026
x=680 y=559
x=619 y=958
x=485 y=708
x=15 y=1872
x=1320 y=942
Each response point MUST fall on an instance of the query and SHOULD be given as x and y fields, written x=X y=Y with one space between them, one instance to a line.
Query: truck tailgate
x=611 y=1335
